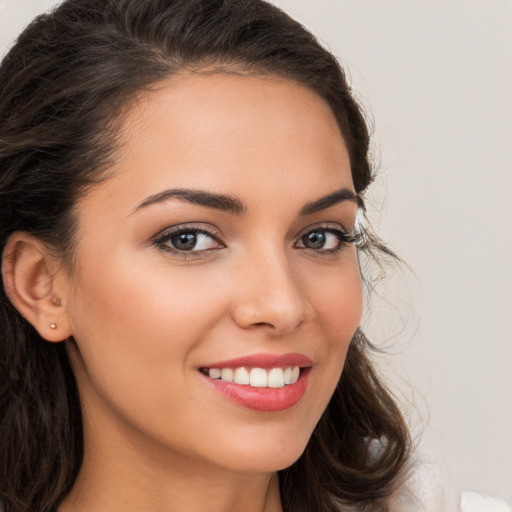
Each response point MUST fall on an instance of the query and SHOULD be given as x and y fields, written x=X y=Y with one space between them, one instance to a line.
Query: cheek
x=136 y=324
x=338 y=304
x=132 y=302
x=337 y=299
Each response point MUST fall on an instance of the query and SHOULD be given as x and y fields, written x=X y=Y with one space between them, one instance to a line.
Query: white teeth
x=227 y=375
x=276 y=378
x=214 y=373
x=241 y=376
x=257 y=377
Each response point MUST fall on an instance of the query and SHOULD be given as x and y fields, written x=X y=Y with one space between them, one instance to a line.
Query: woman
x=179 y=188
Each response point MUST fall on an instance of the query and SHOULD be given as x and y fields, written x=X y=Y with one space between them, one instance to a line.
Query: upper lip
x=264 y=361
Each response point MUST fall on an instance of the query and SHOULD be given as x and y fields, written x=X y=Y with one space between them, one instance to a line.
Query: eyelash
x=161 y=240
x=344 y=238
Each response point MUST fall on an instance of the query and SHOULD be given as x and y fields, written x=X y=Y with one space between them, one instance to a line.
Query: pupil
x=184 y=241
x=314 y=240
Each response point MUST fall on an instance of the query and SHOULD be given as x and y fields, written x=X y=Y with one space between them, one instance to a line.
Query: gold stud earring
x=53 y=326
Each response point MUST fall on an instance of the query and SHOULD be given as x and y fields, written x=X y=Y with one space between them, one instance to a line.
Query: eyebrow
x=338 y=196
x=200 y=197
x=234 y=205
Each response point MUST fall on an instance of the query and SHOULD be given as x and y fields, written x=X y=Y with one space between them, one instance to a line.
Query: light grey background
x=437 y=77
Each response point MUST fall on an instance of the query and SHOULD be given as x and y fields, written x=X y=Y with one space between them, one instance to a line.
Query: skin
x=145 y=319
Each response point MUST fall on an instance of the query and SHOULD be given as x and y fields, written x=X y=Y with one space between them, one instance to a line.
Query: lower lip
x=262 y=399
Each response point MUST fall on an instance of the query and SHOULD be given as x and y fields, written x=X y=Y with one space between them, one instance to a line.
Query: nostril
x=273 y=311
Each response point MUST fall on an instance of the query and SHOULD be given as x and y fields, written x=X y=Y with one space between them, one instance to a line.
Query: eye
x=189 y=240
x=320 y=239
x=325 y=239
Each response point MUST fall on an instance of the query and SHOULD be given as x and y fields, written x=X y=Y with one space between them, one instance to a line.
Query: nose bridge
x=270 y=291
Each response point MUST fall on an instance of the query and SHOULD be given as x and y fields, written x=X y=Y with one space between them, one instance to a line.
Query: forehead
x=237 y=132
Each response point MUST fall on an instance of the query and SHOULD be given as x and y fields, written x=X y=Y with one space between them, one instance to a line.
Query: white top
x=428 y=489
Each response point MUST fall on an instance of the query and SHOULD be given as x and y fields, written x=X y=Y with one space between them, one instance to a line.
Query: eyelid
x=198 y=227
x=326 y=226
x=352 y=236
x=167 y=233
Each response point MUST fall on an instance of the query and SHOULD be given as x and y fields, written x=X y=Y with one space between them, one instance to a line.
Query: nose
x=270 y=296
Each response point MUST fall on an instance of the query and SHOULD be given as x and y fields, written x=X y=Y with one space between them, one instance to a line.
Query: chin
x=265 y=456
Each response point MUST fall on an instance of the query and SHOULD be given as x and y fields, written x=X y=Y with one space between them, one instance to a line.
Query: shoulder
x=475 y=502
x=427 y=488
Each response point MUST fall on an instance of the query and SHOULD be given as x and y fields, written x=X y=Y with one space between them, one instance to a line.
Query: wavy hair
x=63 y=88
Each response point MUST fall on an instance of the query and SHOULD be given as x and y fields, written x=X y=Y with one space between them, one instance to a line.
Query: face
x=221 y=246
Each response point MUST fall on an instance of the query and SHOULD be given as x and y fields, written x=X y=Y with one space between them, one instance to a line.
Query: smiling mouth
x=261 y=382
x=278 y=377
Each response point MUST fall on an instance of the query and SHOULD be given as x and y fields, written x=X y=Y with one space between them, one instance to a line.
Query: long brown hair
x=63 y=88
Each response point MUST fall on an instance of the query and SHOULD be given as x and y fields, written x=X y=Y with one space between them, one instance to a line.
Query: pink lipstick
x=262 y=382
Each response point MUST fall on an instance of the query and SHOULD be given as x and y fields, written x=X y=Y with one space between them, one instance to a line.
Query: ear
x=33 y=282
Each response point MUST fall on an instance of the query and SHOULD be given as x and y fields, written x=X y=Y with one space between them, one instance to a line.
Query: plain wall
x=436 y=76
